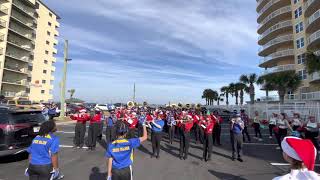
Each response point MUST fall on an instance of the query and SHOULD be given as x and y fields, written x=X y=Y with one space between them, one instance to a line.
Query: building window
x=302 y=74
x=43 y=81
x=49 y=23
x=300 y=43
x=30 y=68
x=298 y=12
x=47 y=42
x=50 y=14
x=301 y=58
x=44 y=71
x=299 y=27
x=45 y=61
x=29 y=79
x=47 y=52
x=295 y=1
x=42 y=91
x=48 y=33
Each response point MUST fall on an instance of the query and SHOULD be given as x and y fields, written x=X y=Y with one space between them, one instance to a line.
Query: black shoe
x=233 y=159
x=89 y=149
x=239 y=159
x=180 y=157
x=158 y=157
x=185 y=157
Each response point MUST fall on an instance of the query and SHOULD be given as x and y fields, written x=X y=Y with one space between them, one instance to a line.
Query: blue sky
x=171 y=49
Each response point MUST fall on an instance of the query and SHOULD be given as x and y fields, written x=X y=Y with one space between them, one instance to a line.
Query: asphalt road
x=84 y=165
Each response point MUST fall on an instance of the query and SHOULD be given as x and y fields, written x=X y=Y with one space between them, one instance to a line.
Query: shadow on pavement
x=14 y=158
x=144 y=150
x=102 y=143
x=97 y=175
x=169 y=149
x=225 y=176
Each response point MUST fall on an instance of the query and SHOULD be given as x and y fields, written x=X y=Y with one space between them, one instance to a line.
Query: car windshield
x=26 y=117
x=101 y=105
x=24 y=102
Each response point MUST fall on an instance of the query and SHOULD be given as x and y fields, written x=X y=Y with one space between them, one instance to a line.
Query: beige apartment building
x=288 y=29
x=28 y=32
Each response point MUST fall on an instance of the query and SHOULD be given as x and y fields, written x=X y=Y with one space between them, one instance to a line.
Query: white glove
x=26 y=173
x=109 y=178
x=55 y=174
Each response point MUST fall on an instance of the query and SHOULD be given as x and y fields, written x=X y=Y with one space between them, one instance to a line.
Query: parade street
x=261 y=161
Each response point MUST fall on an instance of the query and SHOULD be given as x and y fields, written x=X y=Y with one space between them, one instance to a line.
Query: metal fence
x=265 y=110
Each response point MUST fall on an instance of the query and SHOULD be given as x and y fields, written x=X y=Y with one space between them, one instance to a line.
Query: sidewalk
x=63 y=121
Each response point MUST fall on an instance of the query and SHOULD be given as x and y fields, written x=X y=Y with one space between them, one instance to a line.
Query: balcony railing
x=277 y=40
x=313 y=17
x=19 y=45
x=308 y=3
x=3 y=23
x=16 y=69
x=267 y=6
x=274 y=14
x=24 y=58
x=23 y=21
x=314 y=76
x=4 y=9
x=310 y=96
x=16 y=82
x=15 y=94
x=23 y=8
x=281 y=68
x=21 y=34
x=313 y=37
x=279 y=54
x=276 y=27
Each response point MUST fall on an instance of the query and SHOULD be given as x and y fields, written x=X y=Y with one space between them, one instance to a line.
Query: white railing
x=282 y=10
x=308 y=3
x=267 y=6
x=23 y=8
x=313 y=17
x=314 y=76
x=310 y=96
x=314 y=37
x=276 y=27
x=280 y=68
x=288 y=52
x=277 y=40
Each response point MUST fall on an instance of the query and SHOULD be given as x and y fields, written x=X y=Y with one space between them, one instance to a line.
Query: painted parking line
x=68 y=146
x=287 y=164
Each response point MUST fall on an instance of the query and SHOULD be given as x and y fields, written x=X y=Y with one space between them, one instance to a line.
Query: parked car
x=18 y=128
x=22 y=104
x=103 y=107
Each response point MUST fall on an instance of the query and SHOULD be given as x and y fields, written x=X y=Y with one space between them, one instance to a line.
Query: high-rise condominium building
x=28 y=32
x=288 y=29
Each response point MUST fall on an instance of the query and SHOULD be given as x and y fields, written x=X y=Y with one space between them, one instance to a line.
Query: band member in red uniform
x=208 y=138
x=196 y=119
x=94 y=129
x=132 y=123
x=185 y=128
x=80 y=129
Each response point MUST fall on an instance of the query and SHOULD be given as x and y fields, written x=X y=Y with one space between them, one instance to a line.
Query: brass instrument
x=130 y=104
x=173 y=105
x=145 y=103
x=198 y=106
x=188 y=106
x=180 y=105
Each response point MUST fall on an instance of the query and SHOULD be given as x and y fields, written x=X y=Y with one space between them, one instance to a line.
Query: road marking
x=287 y=164
x=70 y=132
x=68 y=146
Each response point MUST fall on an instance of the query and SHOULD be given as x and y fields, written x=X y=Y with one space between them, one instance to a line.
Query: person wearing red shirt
x=132 y=124
x=196 y=119
x=217 y=128
x=94 y=130
x=200 y=129
x=185 y=128
x=80 y=129
x=208 y=142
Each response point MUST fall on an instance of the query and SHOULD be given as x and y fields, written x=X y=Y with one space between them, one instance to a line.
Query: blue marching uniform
x=41 y=150
x=110 y=130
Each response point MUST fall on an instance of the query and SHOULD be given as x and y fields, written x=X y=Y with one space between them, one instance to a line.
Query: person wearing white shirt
x=301 y=155
x=296 y=121
x=272 y=123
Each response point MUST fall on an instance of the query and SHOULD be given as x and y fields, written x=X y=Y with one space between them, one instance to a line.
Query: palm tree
x=234 y=91
x=225 y=90
x=71 y=91
x=220 y=98
x=212 y=96
x=283 y=82
x=250 y=80
x=312 y=62
x=265 y=85
x=241 y=87
x=205 y=95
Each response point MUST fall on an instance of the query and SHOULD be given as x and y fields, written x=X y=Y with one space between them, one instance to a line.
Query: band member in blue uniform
x=120 y=153
x=156 y=135
x=43 y=154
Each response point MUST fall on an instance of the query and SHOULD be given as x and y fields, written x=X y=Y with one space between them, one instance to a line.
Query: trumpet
x=173 y=105
x=198 y=106
x=188 y=106
x=130 y=104
x=180 y=105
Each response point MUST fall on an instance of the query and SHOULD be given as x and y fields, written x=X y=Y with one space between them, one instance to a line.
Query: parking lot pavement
x=261 y=161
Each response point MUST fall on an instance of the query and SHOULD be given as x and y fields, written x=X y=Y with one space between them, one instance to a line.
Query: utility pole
x=134 y=92
x=64 y=79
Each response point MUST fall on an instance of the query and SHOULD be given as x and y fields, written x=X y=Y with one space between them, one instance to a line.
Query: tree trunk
x=237 y=103
x=241 y=97
x=218 y=102
x=227 y=99
x=281 y=93
x=206 y=101
x=252 y=93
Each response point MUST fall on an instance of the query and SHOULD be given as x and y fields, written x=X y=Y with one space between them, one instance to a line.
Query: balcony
x=279 y=15
x=260 y=4
x=310 y=7
x=16 y=69
x=269 y=60
x=22 y=59
x=313 y=22
x=19 y=45
x=280 y=28
x=16 y=82
x=3 y=23
x=281 y=68
x=15 y=94
x=1 y=37
x=272 y=45
x=23 y=22
x=270 y=7
x=4 y=9
x=311 y=96
x=314 y=41
x=314 y=77
x=23 y=9
x=21 y=34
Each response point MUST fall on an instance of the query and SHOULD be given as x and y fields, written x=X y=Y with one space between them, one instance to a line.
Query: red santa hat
x=301 y=150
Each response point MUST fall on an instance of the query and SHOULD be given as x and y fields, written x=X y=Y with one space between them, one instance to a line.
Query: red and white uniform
x=80 y=117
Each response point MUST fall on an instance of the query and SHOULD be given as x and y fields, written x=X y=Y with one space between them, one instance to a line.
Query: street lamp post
x=64 y=79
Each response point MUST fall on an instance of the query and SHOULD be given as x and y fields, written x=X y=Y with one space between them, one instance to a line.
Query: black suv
x=17 y=129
